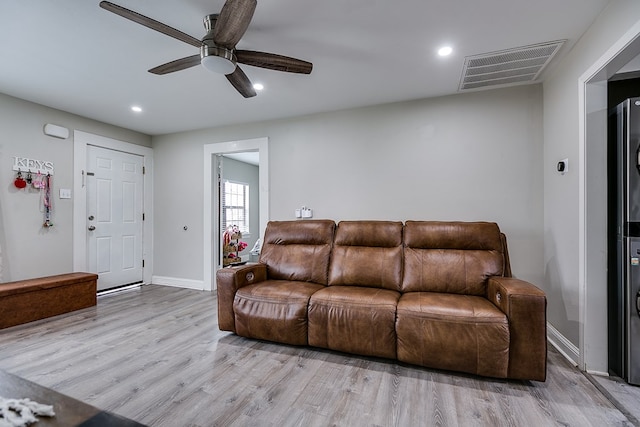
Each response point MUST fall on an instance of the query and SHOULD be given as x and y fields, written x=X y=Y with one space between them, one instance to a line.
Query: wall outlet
x=307 y=213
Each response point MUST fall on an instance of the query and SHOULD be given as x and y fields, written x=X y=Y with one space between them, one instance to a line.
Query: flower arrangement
x=232 y=245
x=234 y=248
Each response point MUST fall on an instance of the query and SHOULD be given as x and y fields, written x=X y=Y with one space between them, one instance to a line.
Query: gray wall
x=28 y=249
x=474 y=156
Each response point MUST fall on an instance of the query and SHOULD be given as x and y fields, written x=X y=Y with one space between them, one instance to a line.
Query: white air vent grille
x=507 y=67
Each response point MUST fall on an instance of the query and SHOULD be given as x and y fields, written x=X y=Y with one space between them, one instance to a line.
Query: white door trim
x=80 y=142
x=210 y=217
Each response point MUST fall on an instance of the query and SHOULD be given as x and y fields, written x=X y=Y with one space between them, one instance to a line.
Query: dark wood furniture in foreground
x=24 y=301
x=69 y=412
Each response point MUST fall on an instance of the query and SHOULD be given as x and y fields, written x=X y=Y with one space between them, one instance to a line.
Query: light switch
x=65 y=193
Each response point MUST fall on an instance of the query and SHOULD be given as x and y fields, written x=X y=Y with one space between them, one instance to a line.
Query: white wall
x=561 y=193
x=28 y=249
x=474 y=156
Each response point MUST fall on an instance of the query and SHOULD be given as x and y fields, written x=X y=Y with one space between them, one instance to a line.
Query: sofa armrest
x=229 y=280
x=526 y=308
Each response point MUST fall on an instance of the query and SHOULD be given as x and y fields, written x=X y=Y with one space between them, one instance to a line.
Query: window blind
x=235 y=205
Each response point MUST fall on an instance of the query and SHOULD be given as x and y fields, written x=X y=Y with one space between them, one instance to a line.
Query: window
x=235 y=205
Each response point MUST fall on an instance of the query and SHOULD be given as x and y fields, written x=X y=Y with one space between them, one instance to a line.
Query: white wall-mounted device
x=304 y=212
x=56 y=131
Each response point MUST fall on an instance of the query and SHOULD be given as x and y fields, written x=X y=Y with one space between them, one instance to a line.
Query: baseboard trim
x=178 y=283
x=598 y=373
x=563 y=345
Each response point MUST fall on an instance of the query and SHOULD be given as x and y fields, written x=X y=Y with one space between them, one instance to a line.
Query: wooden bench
x=34 y=299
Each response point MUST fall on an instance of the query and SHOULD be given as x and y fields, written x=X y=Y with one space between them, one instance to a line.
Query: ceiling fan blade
x=150 y=23
x=233 y=20
x=273 y=61
x=241 y=82
x=177 y=65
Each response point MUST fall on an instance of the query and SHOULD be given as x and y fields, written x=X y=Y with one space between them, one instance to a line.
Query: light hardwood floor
x=156 y=355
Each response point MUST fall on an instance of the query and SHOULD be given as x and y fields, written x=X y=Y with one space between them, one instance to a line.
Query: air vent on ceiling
x=507 y=67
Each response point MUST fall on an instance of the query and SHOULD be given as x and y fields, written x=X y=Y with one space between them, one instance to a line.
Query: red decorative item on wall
x=19 y=182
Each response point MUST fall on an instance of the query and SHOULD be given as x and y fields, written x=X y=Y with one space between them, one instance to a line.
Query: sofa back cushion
x=451 y=257
x=367 y=253
x=298 y=250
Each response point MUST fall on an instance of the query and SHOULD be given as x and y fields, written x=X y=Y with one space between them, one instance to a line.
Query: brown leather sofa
x=435 y=294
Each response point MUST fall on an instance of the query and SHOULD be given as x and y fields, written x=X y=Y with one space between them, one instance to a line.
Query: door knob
x=91 y=228
x=91 y=218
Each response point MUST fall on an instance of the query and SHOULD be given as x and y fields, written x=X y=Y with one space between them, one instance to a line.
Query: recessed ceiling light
x=258 y=86
x=136 y=109
x=445 y=51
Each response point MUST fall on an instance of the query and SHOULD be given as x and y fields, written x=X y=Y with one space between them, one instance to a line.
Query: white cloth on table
x=22 y=412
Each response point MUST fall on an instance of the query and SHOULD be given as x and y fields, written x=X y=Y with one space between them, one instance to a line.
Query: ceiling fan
x=218 y=51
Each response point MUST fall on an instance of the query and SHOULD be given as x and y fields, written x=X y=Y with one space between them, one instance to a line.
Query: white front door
x=114 y=216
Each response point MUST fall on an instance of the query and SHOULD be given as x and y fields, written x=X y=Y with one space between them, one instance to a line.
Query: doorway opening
x=213 y=153
x=239 y=213
x=592 y=235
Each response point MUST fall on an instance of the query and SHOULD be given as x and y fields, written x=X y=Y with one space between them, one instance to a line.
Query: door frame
x=80 y=142
x=211 y=216
x=592 y=199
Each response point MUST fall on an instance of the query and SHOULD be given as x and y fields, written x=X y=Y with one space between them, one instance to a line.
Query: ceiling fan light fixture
x=217 y=59
x=218 y=65
x=218 y=52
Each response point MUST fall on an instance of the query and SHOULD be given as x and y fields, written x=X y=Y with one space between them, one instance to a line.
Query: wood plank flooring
x=156 y=355
x=625 y=396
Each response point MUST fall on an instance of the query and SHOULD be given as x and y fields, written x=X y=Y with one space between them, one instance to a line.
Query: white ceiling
x=74 y=56
x=251 y=157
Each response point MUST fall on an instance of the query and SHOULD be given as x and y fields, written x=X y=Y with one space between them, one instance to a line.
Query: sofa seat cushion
x=274 y=310
x=354 y=319
x=455 y=332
